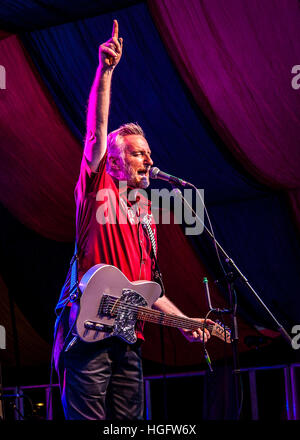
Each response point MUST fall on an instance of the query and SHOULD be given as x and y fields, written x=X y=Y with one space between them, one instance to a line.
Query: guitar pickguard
x=126 y=316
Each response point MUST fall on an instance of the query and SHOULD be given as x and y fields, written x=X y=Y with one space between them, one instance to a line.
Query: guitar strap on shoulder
x=74 y=295
x=74 y=291
x=158 y=276
x=146 y=222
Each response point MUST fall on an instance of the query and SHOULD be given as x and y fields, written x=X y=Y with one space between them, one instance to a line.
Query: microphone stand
x=231 y=276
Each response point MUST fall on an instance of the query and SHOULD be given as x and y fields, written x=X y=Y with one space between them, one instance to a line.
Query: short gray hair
x=115 y=147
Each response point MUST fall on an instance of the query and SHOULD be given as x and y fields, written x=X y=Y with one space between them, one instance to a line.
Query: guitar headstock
x=220 y=332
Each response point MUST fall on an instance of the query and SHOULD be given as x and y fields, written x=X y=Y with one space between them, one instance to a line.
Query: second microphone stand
x=231 y=276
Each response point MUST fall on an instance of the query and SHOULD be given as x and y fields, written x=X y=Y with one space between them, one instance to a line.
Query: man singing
x=103 y=380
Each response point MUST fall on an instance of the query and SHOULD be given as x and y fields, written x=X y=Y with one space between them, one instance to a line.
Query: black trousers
x=102 y=380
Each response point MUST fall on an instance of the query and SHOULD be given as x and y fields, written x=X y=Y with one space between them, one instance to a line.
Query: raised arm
x=110 y=54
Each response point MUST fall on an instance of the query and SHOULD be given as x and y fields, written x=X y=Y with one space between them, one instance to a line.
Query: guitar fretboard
x=113 y=305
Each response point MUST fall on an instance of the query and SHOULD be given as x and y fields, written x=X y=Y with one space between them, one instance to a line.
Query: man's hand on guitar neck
x=197 y=335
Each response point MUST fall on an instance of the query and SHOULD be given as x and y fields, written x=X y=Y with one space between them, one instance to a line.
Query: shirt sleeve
x=88 y=181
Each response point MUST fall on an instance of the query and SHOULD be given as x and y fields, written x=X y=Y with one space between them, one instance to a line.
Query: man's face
x=137 y=161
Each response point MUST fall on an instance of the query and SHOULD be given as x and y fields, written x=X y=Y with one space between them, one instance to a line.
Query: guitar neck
x=157 y=317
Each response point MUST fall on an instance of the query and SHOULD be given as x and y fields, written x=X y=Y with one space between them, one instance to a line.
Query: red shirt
x=108 y=227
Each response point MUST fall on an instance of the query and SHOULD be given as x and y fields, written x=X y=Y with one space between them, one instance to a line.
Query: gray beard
x=144 y=183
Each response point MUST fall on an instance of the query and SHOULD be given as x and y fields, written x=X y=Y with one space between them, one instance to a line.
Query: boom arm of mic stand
x=229 y=260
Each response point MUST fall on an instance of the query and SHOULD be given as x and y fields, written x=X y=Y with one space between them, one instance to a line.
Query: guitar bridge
x=106 y=305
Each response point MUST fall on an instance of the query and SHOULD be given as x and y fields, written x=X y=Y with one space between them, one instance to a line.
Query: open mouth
x=143 y=173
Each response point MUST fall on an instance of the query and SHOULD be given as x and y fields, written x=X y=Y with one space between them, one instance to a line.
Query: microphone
x=155 y=173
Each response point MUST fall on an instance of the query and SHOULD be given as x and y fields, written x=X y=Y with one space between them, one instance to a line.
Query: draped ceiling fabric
x=43 y=110
x=236 y=58
x=38 y=153
x=20 y=15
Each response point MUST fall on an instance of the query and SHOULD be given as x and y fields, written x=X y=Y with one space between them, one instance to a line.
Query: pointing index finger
x=115 y=31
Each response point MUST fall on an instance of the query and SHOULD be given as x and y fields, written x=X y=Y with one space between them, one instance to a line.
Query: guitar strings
x=155 y=316
x=173 y=321
x=160 y=315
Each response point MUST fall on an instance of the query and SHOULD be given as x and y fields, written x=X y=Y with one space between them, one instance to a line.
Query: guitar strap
x=74 y=295
x=74 y=286
x=157 y=275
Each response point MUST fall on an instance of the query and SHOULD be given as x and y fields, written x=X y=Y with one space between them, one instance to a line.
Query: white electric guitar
x=110 y=305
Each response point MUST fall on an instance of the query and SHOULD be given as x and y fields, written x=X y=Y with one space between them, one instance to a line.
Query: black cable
x=30 y=402
x=206 y=355
x=165 y=394
x=239 y=403
x=52 y=358
x=210 y=225
x=21 y=395
x=74 y=294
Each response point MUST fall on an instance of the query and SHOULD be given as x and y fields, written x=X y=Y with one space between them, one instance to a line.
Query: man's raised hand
x=110 y=52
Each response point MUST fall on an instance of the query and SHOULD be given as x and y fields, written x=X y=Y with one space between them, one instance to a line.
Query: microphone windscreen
x=153 y=172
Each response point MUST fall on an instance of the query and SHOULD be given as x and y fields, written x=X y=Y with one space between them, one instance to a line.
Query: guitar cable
x=65 y=348
x=49 y=397
x=206 y=355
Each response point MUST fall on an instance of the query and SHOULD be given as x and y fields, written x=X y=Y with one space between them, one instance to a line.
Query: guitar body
x=108 y=304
